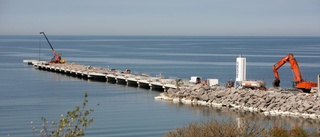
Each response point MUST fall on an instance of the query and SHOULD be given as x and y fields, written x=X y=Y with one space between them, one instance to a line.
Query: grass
x=231 y=128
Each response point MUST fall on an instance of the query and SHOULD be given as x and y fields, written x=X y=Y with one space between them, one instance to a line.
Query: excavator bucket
x=276 y=83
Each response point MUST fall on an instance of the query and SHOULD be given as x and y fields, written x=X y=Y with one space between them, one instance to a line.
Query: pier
x=109 y=75
x=272 y=102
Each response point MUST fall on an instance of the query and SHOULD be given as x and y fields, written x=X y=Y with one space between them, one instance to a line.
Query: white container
x=212 y=82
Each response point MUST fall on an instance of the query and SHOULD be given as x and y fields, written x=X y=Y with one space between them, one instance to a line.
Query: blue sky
x=161 y=17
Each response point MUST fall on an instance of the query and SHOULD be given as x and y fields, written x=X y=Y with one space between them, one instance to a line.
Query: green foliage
x=179 y=82
x=73 y=124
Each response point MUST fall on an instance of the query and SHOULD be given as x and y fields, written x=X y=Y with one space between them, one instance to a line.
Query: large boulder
x=234 y=97
x=284 y=108
x=269 y=99
x=260 y=94
x=292 y=99
x=243 y=93
x=271 y=107
x=301 y=109
x=194 y=94
x=307 y=106
x=171 y=92
x=220 y=94
x=196 y=87
x=251 y=101
x=282 y=101
x=206 y=87
x=200 y=91
x=204 y=97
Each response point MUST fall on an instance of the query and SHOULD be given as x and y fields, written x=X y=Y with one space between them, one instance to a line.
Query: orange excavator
x=56 y=57
x=299 y=83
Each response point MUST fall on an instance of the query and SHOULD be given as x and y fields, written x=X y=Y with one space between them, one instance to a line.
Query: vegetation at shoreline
x=231 y=128
x=72 y=125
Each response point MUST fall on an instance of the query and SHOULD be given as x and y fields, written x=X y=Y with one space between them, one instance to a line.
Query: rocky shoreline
x=271 y=103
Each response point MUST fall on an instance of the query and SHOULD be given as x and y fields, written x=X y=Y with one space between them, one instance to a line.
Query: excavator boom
x=298 y=81
x=294 y=66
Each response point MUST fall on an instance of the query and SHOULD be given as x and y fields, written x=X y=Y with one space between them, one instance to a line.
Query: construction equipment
x=195 y=80
x=56 y=57
x=230 y=84
x=254 y=84
x=249 y=84
x=298 y=82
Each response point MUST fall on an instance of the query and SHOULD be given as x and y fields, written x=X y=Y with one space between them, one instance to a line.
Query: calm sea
x=27 y=94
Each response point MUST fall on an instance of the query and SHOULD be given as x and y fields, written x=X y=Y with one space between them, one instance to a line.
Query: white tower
x=241 y=69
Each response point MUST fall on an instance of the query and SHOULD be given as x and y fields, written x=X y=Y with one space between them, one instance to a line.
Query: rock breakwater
x=271 y=102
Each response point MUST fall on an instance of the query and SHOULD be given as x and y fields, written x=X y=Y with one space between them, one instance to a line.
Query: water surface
x=27 y=94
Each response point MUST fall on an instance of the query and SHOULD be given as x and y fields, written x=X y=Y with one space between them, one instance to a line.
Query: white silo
x=241 y=69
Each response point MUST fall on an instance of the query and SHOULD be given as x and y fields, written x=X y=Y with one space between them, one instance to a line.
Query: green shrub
x=73 y=124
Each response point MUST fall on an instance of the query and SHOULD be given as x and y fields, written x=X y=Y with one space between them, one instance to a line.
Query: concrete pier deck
x=106 y=74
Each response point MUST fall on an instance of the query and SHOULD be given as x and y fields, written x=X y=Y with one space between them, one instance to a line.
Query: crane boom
x=48 y=42
x=299 y=82
x=56 y=57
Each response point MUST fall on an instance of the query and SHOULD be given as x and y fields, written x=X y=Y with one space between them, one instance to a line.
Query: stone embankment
x=285 y=103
